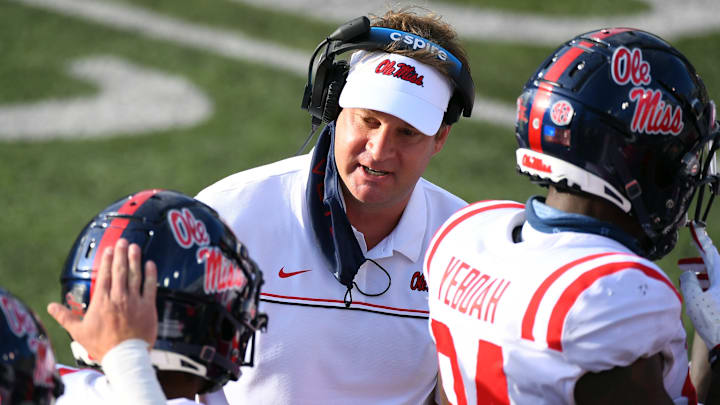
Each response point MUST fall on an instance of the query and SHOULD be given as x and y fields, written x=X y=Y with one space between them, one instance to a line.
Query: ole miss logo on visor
x=400 y=70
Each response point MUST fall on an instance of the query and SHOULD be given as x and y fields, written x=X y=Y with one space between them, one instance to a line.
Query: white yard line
x=667 y=18
x=227 y=43
x=152 y=24
x=131 y=100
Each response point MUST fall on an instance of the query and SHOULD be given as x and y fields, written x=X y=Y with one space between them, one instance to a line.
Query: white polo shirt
x=317 y=351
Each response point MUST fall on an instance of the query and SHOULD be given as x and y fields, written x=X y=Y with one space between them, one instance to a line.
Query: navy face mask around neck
x=327 y=213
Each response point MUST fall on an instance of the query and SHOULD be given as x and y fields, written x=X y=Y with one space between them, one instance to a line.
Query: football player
x=557 y=301
x=207 y=296
x=27 y=363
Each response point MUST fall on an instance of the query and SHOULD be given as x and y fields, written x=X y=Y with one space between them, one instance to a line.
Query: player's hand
x=703 y=307
x=118 y=311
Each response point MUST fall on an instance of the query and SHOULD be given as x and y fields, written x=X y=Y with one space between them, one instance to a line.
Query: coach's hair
x=429 y=26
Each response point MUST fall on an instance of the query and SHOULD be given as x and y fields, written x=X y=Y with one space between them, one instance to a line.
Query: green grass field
x=50 y=189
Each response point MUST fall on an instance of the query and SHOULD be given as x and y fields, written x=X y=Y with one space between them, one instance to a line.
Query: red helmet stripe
x=555 y=70
x=542 y=96
x=116 y=228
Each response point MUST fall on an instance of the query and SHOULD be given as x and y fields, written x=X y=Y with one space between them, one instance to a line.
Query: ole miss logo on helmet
x=401 y=70
x=221 y=273
x=186 y=229
x=561 y=113
x=652 y=115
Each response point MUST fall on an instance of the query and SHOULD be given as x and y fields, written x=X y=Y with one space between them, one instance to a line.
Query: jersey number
x=490 y=381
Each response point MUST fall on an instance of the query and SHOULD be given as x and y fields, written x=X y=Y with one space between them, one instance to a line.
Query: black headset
x=321 y=98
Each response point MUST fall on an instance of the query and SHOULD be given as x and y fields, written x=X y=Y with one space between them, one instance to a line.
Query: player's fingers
x=694 y=264
x=135 y=266
x=119 y=271
x=103 y=280
x=64 y=317
x=150 y=285
x=696 y=231
x=689 y=285
x=709 y=253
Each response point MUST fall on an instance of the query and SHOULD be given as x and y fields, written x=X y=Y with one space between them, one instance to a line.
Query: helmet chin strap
x=633 y=192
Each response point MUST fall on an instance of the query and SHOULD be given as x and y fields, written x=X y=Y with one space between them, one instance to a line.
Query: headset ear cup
x=332 y=105
x=338 y=75
x=454 y=109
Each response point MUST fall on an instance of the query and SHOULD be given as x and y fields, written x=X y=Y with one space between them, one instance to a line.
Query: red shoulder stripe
x=573 y=291
x=531 y=312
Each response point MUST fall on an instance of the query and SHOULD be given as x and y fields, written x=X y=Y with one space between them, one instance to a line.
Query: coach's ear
x=440 y=138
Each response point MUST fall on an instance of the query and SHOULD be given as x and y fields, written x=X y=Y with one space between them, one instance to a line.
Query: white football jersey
x=519 y=322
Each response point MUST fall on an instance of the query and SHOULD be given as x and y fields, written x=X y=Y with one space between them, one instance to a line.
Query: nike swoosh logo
x=283 y=274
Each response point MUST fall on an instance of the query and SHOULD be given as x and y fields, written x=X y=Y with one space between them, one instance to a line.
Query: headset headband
x=358 y=34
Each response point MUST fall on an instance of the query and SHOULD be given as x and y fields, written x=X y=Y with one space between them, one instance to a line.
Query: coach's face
x=380 y=157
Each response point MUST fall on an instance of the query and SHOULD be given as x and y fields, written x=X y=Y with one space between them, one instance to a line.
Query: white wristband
x=131 y=375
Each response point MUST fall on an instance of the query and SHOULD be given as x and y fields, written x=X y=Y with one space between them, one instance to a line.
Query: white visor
x=395 y=84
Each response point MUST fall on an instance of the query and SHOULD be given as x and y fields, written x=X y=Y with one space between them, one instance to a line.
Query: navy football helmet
x=27 y=362
x=621 y=114
x=208 y=286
